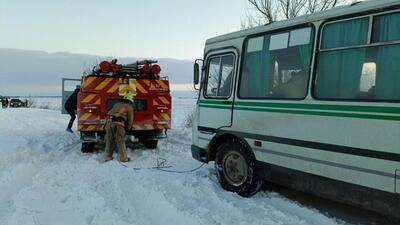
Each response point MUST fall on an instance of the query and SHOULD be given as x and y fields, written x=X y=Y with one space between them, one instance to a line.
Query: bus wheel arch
x=235 y=165
x=218 y=141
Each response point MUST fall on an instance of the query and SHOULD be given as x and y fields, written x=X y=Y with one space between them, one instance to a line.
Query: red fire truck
x=107 y=84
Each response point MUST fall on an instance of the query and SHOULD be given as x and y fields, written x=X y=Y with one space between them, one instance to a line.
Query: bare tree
x=321 y=5
x=291 y=8
x=268 y=11
x=266 y=7
x=252 y=20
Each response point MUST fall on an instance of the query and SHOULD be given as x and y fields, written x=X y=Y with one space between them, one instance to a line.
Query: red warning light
x=145 y=69
x=105 y=66
x=116 y=68
x=155 y=69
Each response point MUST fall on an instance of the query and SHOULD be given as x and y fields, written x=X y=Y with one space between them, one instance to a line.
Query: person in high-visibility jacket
x=120 y=118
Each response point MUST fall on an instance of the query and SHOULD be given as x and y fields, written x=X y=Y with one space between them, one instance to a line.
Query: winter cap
x=78 y=88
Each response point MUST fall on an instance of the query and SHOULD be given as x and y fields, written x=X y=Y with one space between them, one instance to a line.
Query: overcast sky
x=120 y=28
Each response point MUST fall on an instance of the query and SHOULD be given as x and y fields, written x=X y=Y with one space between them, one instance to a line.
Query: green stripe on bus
x=333 y=114
x=216 y=106
x=220 y=102
x=349 y=108
x=353 y=108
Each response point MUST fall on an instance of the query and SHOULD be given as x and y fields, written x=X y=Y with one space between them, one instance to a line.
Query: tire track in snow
x=154 y=207
x=201 y=196
x=26 y=165
x=65 y=189
x=25 y=158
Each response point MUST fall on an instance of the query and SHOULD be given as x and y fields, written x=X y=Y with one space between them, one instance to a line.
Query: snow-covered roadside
x=53 y=103
x=45 y=179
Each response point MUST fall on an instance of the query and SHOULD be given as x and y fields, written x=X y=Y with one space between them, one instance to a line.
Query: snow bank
x=47 y=103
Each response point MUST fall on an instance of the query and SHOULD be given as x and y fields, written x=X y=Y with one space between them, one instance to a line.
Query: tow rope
x=161 y=165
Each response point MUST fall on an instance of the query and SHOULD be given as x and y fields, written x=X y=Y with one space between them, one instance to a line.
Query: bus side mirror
x=196 y=73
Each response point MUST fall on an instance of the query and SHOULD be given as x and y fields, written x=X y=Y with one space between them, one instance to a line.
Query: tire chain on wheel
x=252 y=183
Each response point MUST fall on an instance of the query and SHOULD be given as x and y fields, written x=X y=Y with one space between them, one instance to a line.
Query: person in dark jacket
x=71 y=106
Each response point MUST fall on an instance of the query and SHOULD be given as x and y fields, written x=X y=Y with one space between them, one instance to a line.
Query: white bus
x=312 y=103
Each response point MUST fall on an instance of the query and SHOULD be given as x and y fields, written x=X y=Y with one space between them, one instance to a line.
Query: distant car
x=3 y=102
x=16 y=103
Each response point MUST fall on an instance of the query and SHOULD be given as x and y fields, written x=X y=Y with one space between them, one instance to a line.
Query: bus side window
x=367 y=81
x=350 y=68
x=220 y=75
x=213 y=76
x=278 y=65
x=292 y=65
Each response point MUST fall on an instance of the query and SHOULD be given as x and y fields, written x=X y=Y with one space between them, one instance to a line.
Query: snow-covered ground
x=47 y=103
x=45 y=179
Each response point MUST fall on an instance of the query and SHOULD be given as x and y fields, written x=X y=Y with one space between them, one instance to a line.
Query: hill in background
x=26 y=72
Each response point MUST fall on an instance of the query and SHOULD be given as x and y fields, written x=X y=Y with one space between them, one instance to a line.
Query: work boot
x=108 y=158
x=69 y=130
x=124 y=159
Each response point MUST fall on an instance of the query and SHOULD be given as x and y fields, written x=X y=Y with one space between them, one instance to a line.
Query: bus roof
x=323 y=15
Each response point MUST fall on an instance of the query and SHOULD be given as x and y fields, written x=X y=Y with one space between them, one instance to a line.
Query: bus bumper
x=199 y=153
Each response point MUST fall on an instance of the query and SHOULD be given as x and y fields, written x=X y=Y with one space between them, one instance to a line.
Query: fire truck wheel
x=87 y=147
x=150 y=144
x=236 y=169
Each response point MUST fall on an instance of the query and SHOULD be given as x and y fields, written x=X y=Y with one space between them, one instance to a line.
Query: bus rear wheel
x=236 y=169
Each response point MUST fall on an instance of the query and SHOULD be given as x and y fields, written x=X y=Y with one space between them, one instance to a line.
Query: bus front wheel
x=236 y=169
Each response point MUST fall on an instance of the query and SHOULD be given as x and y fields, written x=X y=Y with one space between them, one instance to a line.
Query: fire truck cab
x=107 y=85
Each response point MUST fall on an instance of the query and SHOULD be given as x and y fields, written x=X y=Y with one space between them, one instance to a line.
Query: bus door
x=216 y=96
